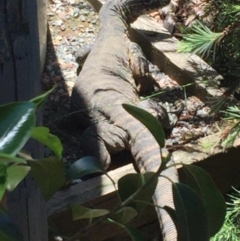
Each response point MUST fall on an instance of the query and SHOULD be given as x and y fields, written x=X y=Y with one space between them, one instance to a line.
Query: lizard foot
x=81 y=56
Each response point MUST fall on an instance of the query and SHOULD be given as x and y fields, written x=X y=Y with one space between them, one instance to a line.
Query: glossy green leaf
x=17 y=121
x=3 y=179
x=153 y=125
x=124 y=215
x=49 y=174
x=2 y=190
x=39 y=100
x=84 y=166
x=132 y=232
x=191 y=215
x=15 y=174
x=8 y=229
x=6 y=158
x=199 y=180
x=43 y=135
x=80 y=212
x=130 y=183
x=3 y=173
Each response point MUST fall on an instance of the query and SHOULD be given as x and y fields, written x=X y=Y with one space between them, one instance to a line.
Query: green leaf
x=17 y=121
x=130 y=183
x=8 y=229
x=49 y=174
x=84 y=166
x=3 y=179
x=3 y=173
x=199 y=180
x=124 y=215
x=192 y=220
x=43 y=135
x=153 y=125
x=39 y=100
x=133 y=233
x=80 y=212
x=11 y=159
x=15 y=174
x=2 y=190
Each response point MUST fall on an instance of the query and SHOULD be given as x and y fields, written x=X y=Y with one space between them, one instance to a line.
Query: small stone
x=205 y=129
x=83 y=18
x=50 y=14
x=94 y=21
x=58 y=22
x=175 y=131
x=84 y=12
x=81 y=40
x=62 y=27
x=61 y=14
x=73 y=2
x=92 y=13
x=76 y=12
x=202 y=113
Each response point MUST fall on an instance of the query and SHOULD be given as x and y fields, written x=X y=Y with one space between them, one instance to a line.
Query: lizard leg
x=167 y=119
x=81 y=55
x=137 y=60
x=103 y=139
x=139 y=66
x=146 y=74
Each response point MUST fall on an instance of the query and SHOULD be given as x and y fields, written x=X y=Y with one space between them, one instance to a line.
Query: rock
x=83 y=18
x=58 y=22
x=81 y=40
x=76 y=12
x=62 y=27
x=73 y=2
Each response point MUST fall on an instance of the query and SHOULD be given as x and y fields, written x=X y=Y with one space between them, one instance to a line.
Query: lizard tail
x=146 y=153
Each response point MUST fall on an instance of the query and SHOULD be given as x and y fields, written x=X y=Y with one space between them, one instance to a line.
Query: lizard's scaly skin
x=105 y=82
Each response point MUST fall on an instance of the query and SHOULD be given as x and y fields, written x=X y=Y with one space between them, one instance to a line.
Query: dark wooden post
x=23 y=30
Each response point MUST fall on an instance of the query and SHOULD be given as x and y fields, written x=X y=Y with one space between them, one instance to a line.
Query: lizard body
x=109 y=78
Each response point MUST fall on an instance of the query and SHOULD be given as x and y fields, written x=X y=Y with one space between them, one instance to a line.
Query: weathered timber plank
x=160 y=47
x=221 y=165
x=23 y=31
x=88 y=190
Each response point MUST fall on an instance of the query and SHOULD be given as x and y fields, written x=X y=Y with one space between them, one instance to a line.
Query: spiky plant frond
x=231 y=9
x=201 y=41
x=230 y=230
x=232 y=115
x=232 y=112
